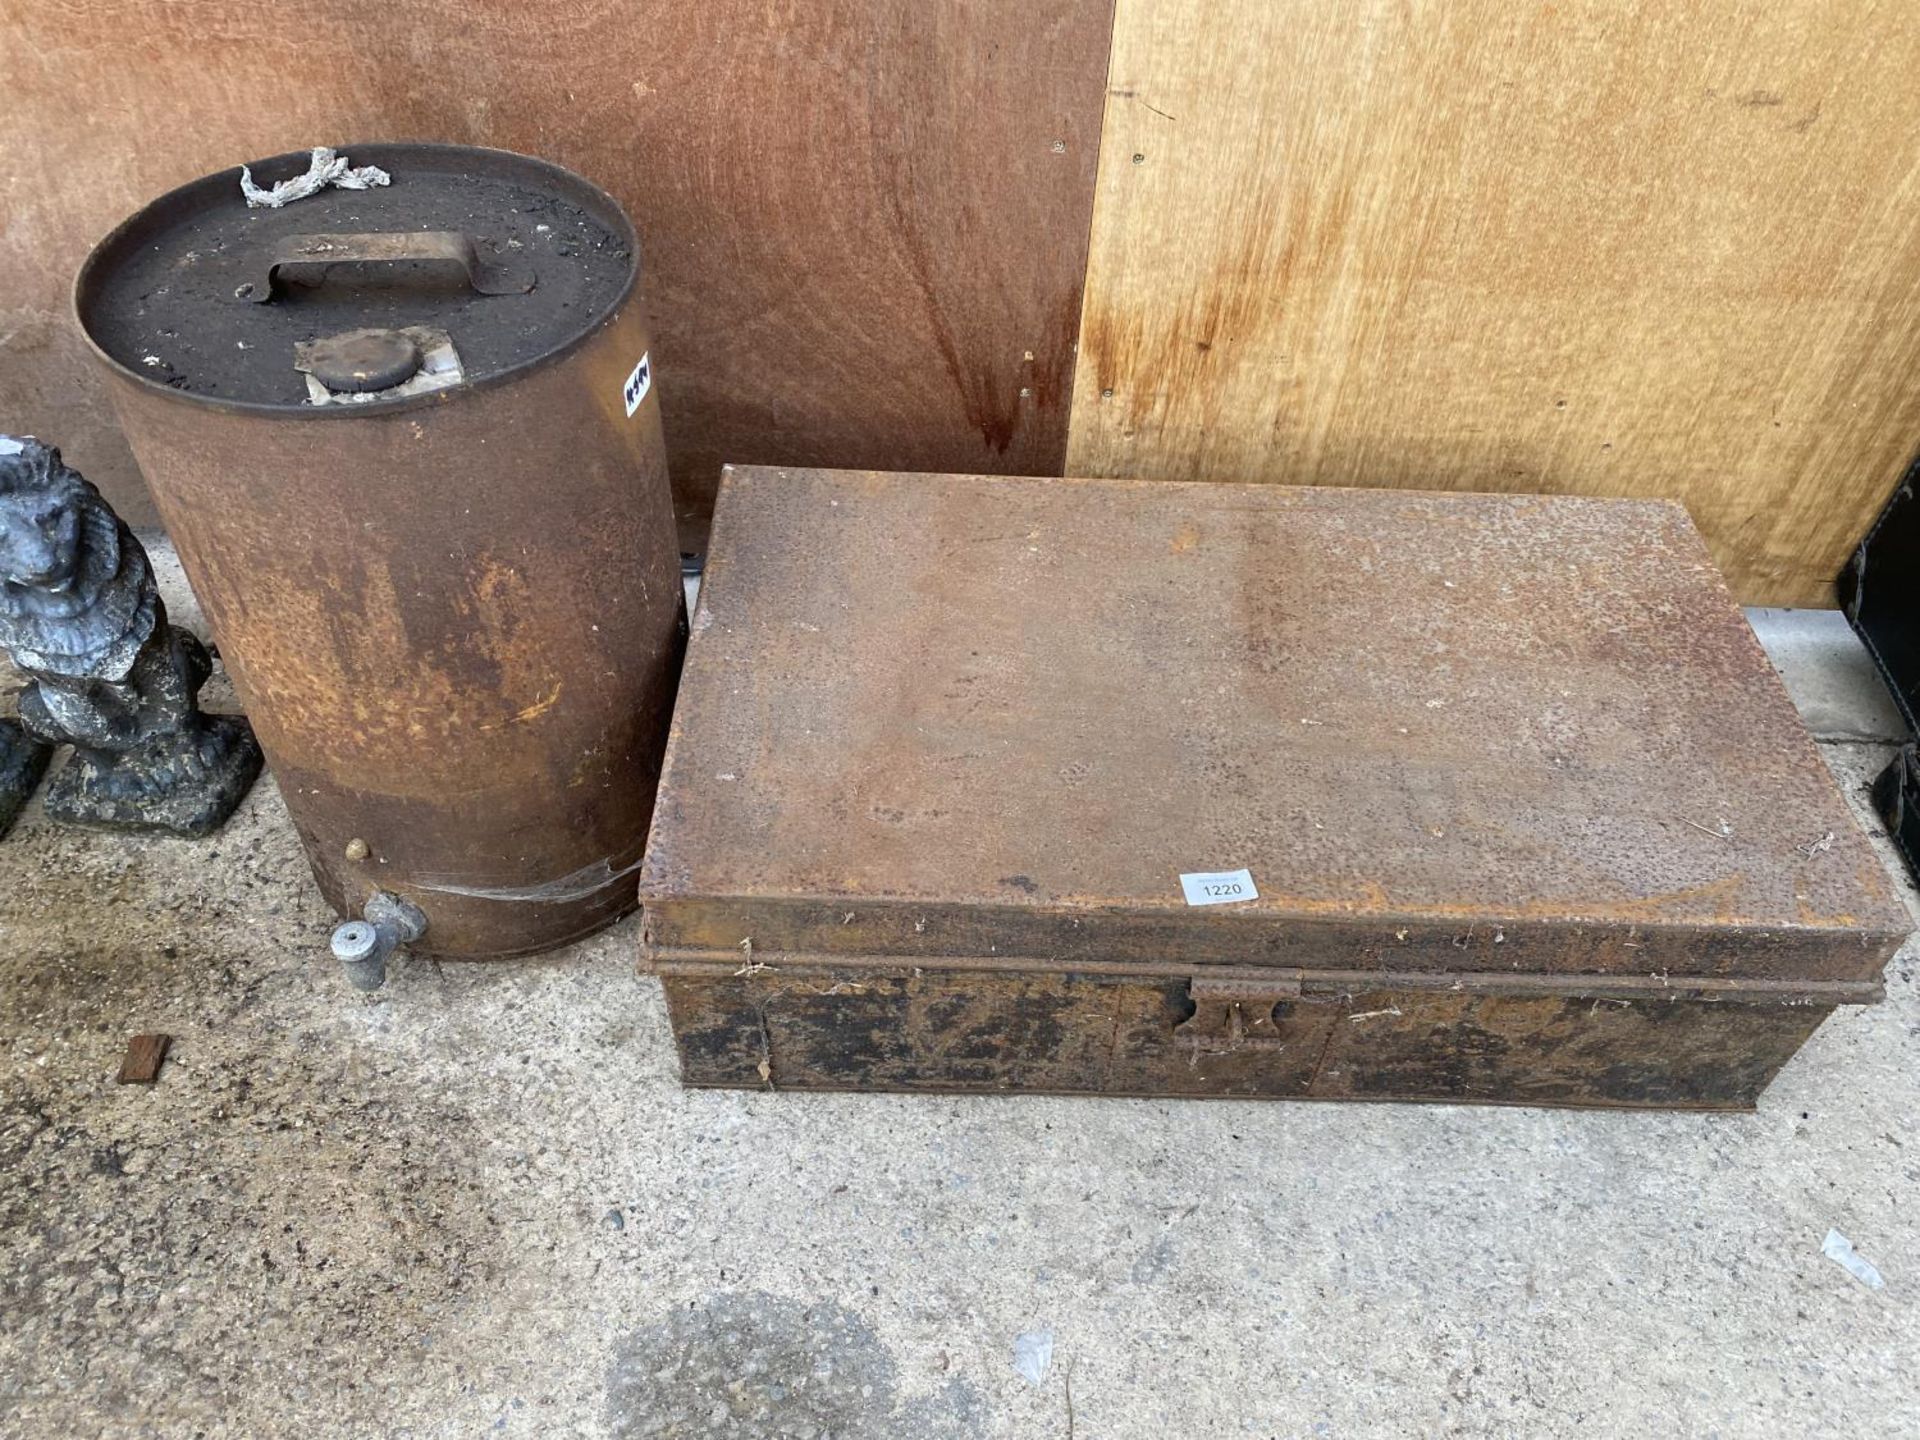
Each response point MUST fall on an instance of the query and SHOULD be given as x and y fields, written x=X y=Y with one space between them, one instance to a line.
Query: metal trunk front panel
x=997 y=1029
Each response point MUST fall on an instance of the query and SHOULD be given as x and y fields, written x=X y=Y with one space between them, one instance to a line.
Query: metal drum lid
x=464 y=265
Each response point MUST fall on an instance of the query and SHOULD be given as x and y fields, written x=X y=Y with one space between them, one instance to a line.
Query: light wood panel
x=864 y=221
x=1648 y=249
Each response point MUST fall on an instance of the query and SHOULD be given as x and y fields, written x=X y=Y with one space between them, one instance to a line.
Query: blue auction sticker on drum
x=638 y=384
x=1218 y=887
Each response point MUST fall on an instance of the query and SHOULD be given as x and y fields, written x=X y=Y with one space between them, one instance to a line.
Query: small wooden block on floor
x=145 y=1055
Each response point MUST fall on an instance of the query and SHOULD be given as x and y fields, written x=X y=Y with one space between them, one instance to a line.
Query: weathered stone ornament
x=81 y=617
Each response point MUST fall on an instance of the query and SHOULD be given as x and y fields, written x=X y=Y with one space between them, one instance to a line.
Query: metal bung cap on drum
x=421 y=268
x=364 y=361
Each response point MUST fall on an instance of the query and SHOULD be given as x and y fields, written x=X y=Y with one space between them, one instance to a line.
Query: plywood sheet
x=864 y=220
x=1651 y=249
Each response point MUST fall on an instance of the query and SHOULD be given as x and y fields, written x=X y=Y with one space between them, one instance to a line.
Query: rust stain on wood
x=1070 y=1033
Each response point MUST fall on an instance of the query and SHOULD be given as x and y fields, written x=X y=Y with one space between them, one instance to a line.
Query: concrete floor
x=477 y=1203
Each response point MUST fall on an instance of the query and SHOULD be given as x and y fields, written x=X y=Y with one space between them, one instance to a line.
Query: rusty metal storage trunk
x=1114 y=787
x=405 y=440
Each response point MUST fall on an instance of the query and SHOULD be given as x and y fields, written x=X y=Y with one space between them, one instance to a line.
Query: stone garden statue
x=108 y=675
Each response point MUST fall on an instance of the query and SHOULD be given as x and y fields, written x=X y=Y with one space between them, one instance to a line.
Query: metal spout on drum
x=362 y=946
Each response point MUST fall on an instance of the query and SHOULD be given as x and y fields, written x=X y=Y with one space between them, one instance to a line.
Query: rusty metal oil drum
x=406 y=441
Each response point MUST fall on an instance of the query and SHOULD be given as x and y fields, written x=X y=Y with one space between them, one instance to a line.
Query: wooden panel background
x=1646 y=249
x=1653 y=248
x=864 y=221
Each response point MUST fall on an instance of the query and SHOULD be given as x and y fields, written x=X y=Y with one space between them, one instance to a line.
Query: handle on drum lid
x=488 y=276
